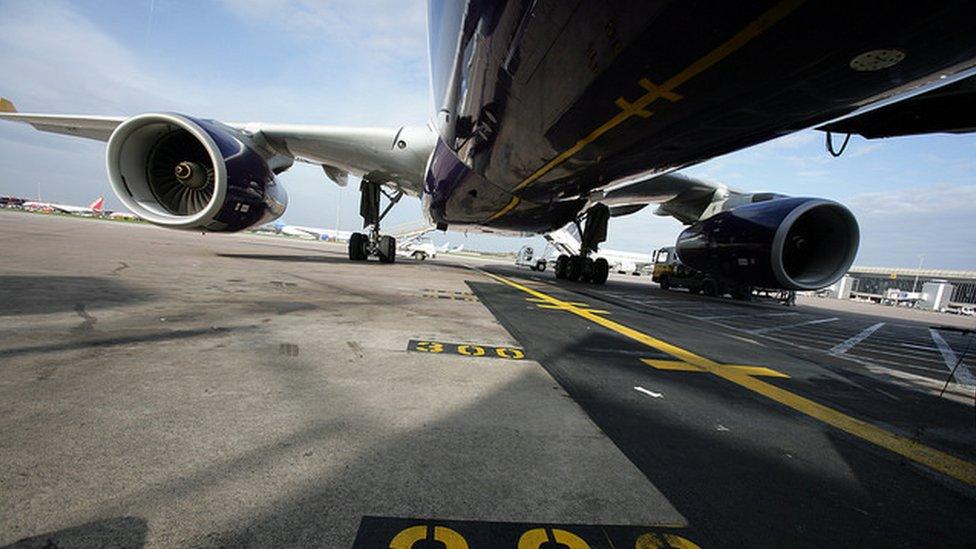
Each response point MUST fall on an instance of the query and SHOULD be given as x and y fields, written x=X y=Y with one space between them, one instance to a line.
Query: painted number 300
x=469 y=350
x=430 y=347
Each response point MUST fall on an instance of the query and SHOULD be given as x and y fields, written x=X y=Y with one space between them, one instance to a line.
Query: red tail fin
x=97 y=205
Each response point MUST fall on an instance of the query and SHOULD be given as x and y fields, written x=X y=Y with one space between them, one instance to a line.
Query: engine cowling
x=183 y=173
x=788 y=243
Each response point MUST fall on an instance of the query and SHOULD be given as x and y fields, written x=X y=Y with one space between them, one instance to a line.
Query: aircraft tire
x=540 y=266
x=710 y=288
x=387 y=249
x=561 y=263
x=357 y=247
x=600 y=271
x=574 y=268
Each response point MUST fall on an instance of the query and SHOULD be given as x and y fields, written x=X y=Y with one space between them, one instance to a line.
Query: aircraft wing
x=949 y=109
x=683 y=197
x=395 y=155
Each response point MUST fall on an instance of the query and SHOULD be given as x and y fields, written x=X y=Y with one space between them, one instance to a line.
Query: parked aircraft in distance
x=95 y=208
x=549 y=113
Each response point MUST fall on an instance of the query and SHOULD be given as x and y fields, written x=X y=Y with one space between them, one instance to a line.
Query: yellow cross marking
x=665 y=90
x=576 y=303
x=569 y=305
x=653 y=88
x=631 y=108
x=937 y=460
x=680 y=366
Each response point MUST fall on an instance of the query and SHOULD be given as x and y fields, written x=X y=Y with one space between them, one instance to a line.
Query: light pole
x=338 y=210
x=921 y=258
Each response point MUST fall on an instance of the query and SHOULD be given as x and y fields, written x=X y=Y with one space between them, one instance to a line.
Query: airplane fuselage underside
x=540 y=102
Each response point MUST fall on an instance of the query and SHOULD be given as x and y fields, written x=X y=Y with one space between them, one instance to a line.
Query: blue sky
x=364 y=63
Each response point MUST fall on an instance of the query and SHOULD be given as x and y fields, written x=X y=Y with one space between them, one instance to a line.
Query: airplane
x=95 y=208
x=314 y=233
x=548 y=113
x=568 y=241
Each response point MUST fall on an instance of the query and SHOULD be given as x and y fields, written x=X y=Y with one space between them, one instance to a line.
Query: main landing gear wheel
x=358 y=244
x=561 y=264
x=581 y=267
x=600 y=271
x=361 y=246
x=574 y=268
x=386 y=249
x=710 y=288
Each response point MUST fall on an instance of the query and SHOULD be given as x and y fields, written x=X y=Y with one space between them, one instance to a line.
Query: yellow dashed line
x=930 y=457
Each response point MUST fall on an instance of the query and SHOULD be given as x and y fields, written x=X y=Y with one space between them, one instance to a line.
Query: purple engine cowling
x=788 y=243
x=183 y=173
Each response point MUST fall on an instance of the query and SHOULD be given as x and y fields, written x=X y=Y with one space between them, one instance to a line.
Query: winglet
x=6 y=105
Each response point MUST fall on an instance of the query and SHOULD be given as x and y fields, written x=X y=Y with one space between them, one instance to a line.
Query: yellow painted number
x=513 y=354
x=471 y=350
x=536 y=538
x=656 y=541
x=409 y=536
x=430 y=347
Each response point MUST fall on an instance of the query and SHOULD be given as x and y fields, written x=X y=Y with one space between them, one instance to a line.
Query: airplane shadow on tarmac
x=310 y=259
x=768 y=475
x=113 y=532
x=292 y=258
x=41 y=294
x=730 y=491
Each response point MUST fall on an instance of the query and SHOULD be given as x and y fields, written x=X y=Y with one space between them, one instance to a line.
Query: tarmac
x=166 y=388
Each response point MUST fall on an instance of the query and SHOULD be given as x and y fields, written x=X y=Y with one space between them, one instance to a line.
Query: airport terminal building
x=872 y=282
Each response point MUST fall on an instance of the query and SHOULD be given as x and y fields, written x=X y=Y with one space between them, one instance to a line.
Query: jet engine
x=182 y=173
x=788 y=243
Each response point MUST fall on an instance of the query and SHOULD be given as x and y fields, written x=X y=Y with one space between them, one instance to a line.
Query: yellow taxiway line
x=937 y=460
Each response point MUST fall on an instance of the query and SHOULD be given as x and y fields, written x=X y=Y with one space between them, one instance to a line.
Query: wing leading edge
x=395 y=155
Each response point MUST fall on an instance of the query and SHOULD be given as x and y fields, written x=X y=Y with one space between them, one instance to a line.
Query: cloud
x=396 y=28
x=61 y=58
x=65 y=60
x=793 y=140
x=935 y=220
x=934 y=199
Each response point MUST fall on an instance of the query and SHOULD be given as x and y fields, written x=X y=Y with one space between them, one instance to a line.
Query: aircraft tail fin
x=6 y=105
x=97 y=205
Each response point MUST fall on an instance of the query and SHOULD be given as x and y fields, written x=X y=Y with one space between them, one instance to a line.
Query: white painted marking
x=845 y=346
x=963 y=375
x=649 y=393
x=746 y=339
x=746 y=315
x=721 y=427
x=788 y=326
x=887 y=394
x=922 y=347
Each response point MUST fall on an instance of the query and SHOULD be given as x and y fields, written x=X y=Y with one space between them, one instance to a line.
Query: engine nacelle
x=182 y=173
x=789 y=243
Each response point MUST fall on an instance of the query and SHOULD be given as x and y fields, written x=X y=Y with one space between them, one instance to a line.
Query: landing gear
x=386 y=249
x=361 y=245
x=582 y=267
x=358 y=247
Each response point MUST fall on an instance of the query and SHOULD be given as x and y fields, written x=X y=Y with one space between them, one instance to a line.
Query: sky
x=349 y=62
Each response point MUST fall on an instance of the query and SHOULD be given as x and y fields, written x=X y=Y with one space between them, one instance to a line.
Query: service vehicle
x=669 y=272
x=527 y=257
